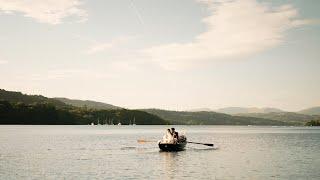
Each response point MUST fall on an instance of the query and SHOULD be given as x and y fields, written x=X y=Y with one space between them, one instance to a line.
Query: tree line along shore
x=18 y=108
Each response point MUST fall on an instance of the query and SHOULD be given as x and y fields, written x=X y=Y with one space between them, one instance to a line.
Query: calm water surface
x=112 y=152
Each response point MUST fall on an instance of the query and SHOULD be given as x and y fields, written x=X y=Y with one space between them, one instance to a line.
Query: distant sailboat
x=134 y=121
x=106 y=122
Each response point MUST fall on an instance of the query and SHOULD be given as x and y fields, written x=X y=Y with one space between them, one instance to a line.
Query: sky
x=175 y=55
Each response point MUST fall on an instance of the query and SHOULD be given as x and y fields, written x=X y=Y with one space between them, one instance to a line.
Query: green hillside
x=87 y=103
x=311 y=111
x=18 y=108
x=37 y=113
x=41 y=113
x=211 y=118
x=240 y=110
x=18 y=97
x=290 y=117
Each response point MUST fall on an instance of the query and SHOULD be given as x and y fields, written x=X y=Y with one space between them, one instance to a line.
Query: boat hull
x=172 y=147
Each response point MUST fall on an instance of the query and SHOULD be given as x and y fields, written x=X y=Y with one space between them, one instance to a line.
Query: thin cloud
x=97 y=47
x=48 y=11
x=63 y=74
x=235 y=29
x=3 y=62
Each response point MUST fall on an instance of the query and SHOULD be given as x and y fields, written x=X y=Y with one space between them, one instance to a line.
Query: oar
x=200 y=143
x=141 y=141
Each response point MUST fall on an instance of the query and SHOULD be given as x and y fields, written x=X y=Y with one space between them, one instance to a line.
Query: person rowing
x=174 y=135
x=168 y=137
x=171 y=141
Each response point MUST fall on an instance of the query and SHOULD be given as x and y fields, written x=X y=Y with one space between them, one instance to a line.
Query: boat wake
x=202 y=149
x=128 y=148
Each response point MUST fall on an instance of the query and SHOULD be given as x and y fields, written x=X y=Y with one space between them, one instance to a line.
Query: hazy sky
x=171 y=54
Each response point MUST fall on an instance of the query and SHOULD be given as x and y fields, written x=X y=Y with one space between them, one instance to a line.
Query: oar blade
x=142 y=141
x=202 y=143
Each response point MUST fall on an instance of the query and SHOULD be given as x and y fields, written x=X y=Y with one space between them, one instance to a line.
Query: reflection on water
x=112 y=152
x=170 y=164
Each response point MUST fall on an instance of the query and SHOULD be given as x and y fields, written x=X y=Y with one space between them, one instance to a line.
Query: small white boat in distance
x=134 y=121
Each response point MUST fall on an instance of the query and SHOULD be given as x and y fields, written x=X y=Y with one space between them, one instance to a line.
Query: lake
x=112 y=152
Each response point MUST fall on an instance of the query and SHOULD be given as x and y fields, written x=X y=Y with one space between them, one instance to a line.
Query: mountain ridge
x=211 y=118
x=18 y=97
x=311 y=111
x=18 y=108
x=87 y=103
x=239 y=110
x=291 y=117
x=260 y=116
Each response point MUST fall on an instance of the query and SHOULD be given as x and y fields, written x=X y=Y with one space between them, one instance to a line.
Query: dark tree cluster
x=45 y=113
x=36 y=113
x=313 y=123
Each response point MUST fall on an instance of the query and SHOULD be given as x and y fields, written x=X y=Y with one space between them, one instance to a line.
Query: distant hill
x=87 y=103
x=290 y=117
x=311 y=111
x=211 y=118
x=18 y=97
x=241 y=110
x=19 y=113
x=199 y=109
x=18 y=108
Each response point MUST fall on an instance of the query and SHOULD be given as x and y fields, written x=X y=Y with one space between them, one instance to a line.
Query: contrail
x=135 y=9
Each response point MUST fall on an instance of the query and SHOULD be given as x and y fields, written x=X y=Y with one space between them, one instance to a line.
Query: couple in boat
x=172 y=137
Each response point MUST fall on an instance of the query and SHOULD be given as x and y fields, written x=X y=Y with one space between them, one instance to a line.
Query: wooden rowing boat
x=174 y=146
